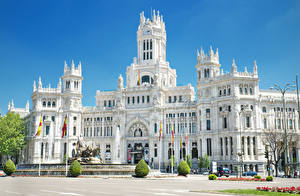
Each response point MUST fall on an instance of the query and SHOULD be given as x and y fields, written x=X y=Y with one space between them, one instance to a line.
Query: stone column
x=245 y=148
x=251 y=149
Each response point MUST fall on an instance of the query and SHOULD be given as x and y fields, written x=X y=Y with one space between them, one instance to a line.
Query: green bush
x=75 y=169
x=257 y=177
x=9 y=167
x=269 y=178
x=183 y=168
x=212 y=177
x=141 y=169
x=189 y=160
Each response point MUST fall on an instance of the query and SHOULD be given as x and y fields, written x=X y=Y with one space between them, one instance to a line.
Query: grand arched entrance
x=137 y=143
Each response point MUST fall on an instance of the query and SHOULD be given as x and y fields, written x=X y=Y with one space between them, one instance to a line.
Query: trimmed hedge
x=141 y=169
x=75 y=169
x=9 y=167
x=212 y=177
x=257 y=177
x=269 y=178
x=183 y=168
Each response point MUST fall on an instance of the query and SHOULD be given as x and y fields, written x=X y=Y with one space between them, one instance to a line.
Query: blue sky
x=36 y=37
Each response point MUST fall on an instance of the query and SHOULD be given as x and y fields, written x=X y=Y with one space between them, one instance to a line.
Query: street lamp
x=283 y=90
x=240 y=154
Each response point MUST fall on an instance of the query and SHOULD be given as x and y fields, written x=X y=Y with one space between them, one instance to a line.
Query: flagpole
x=67 y=155
x=40 y=162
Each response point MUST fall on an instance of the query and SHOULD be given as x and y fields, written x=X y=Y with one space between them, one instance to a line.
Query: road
x=175 y=186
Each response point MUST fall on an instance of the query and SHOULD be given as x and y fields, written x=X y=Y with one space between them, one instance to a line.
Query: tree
x=12 y=131
x=275 y=140
x=189 y=160
x=203 y=162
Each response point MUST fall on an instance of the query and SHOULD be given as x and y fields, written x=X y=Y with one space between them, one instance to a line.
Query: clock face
x=147 y=32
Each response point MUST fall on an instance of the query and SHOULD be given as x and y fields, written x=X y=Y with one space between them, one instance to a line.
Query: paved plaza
x=192 y=185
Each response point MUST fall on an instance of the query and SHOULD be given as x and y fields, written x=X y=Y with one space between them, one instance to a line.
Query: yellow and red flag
x=64 y=128
x=139 y=78
x=186 y=138
x=38 y=133
x=172 y=131
x=160 y=131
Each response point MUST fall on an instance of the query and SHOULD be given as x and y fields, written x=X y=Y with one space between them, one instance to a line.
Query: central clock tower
x=151 y=38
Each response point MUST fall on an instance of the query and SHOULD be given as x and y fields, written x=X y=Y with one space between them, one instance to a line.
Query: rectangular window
x=143 y=99
x=265 y=123
x=155 y=152
x=221 y=146
x=231 y=146
x=180 y=98
x=170 y=99
x=150 y=55
x=47 y=129
x=138 y=99
x=226 y=145
x=147 y=55
x=144 y=46
x=248 y=121
x=128 y=100
x=150 y=44
x=148 y=99
x=144 y=55
x=225 y=123
x=207 y=113
x=209 y=150
x=175 y=99
x=74 y=130
x=208 y=125
x=254 y=143
x=132 y=100
x=147 y=46
x=104 y=103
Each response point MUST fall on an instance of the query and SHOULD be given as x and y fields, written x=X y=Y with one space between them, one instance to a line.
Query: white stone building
x=227 y=116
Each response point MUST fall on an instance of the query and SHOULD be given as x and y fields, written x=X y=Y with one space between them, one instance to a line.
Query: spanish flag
x=64 y=133
x=160 y=131
x=38 y=133
x=172 y=131
x=139 y=78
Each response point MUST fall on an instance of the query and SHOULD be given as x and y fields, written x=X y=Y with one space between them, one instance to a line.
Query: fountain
x=117 y=153
x=89 y=159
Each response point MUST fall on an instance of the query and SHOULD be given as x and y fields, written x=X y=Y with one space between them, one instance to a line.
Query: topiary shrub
x=75 y=169
x=257 y=177
x=212 y=177
x=141 y=169
x=9 y=167
x=183 y=168
x=269 y=178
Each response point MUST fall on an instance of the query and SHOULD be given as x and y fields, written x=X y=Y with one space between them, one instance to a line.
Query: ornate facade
x=227 y=116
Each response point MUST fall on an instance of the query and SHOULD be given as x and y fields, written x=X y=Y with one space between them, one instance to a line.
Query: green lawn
x=252 y=192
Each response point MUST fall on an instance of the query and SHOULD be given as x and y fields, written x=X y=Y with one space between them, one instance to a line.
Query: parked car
x=249 y=173
x=222 y=172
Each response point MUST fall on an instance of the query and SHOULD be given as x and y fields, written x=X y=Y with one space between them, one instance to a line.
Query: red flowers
x=241 y=179
x=291 y=189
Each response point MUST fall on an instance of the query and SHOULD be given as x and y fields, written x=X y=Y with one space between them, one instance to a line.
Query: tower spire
x=34 y=86
x=40 y=83
x=233 y=67
x=255 y=68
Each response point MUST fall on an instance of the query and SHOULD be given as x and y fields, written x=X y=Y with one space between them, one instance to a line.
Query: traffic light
x=266 y=154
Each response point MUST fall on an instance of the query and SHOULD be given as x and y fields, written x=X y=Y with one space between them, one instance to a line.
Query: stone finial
x=255 y=68
x=79 y=66
x=211 y=52
x=73 y=65
x=66 y=66
x=12 y=105
x=217 y=52
x=40 y=86
x=246 y=71
x=8 y=108
x=34 y=86
x=233 y=67
x=59 y=84
x=154 y=16
x=27 y=106
x=120 y=82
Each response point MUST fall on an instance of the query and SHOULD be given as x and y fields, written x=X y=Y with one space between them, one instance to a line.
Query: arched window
x=138 y=133
x=145 y=79
x=44 y=103
x=264 y=109
x=53 y=104
x=49 y=104
x=155 y=127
